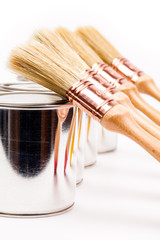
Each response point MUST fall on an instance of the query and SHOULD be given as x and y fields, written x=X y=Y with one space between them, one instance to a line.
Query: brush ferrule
x=100 y=82
x=126 y=69
x=91 y=95
x=109 y=74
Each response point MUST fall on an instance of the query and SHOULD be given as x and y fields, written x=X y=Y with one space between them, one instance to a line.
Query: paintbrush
x=111 y=56
x=53 y=69
x=90 y=57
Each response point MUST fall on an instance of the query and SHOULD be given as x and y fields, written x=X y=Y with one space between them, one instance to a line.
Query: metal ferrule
x=109 y=74
x=107 y=140
x=100 y=82
x=91 y=96
x=127 y=69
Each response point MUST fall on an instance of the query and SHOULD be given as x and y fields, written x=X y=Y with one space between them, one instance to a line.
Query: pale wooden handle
x=144 y=122
x=119 y=120
x=145 y=84
x=131 y=91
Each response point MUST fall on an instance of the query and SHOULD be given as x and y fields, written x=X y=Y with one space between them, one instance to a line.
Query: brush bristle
x=57 y=45
x=75 y=42
x=38 y=63
x=98 y=43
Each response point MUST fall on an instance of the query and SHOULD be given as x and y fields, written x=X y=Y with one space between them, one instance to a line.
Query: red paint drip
x=66 y=160
x=55 y=165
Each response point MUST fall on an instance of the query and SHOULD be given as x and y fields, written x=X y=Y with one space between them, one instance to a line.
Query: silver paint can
x=25 y=85
x=107 y=140
x=38 y=149
x=91 y=142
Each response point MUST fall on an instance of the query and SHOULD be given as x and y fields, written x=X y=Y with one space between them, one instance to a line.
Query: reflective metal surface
x=38 y=146
x=91 y=144
x=81 y=145
x=126 y=69
x=107 y=140
x=24 y=86
x=2 y=90
x=91 y=95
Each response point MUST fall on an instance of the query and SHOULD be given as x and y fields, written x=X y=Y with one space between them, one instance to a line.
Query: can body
x=107 y=140
x=38 y=159
x=81 y=145
x=22 y=85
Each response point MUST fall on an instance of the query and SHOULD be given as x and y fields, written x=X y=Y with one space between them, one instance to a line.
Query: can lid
x=31 y=100
x=24 y=86
x=2 y=90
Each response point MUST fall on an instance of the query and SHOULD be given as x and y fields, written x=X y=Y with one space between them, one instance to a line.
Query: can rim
x=23 y=86
x=53 y=102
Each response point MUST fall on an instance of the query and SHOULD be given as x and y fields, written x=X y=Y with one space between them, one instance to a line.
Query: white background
x=120 y=196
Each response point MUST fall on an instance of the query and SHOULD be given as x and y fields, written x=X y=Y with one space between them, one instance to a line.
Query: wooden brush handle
x=144 y=122
x=131 y=91
x=145 y=84
x=119 y=120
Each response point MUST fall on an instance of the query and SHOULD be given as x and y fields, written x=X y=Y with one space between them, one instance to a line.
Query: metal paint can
x=38 y=148
x=29 y=86
x=107 y=140
x=91 y=142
